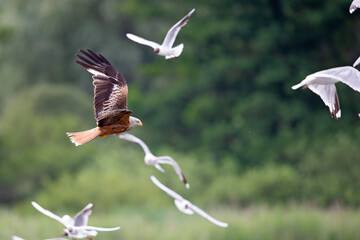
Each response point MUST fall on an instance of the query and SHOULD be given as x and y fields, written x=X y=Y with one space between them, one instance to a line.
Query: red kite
x=110 y=100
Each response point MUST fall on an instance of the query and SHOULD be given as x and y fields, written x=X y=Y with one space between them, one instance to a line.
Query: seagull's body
x=184 y=205
x=166 y=49
x=75 y=227
x=152 y=160
x=354 y=5
x=19 y=238
x=323 y=84
x=16 y=238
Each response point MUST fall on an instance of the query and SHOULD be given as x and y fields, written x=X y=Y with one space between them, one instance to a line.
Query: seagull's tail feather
x=80 y=138
x=177 y=51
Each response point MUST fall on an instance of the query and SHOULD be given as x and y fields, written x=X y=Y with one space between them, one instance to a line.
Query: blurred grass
x=252 y=223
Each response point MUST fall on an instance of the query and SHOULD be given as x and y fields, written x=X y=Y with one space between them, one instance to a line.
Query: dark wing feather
x=109 y=96
x=119 y=117
x=110 y=93
x=97 y=63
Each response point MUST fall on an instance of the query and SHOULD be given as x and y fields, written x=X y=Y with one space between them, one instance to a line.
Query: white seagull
x=56 y=239
x=166 y=49
x=152 y=160
x=184 y=205
x=323 y=84
x=75 y=227
x=19 y=238
x=16 y=238
x=354 y=5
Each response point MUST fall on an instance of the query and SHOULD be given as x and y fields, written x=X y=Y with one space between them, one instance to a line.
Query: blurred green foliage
x=276 y=223
x=224 y=109
x=34 y=146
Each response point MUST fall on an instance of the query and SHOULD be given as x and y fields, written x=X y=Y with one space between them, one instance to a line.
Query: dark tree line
x=228 y=96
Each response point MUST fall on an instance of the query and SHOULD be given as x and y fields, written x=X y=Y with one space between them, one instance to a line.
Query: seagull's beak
x=139 y=124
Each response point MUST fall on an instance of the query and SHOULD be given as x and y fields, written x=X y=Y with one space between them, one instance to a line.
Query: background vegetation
x=224 y=110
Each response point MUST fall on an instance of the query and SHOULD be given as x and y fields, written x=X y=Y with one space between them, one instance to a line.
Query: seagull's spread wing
x=82 y=217
x=142 y=41
x=169 y=160
x=132 y=138
x=347 y=74
x=128 y=137
x=68 y=220
x=91 y=228
x=207 y=216
x=49 y=214
x=170 y=192
x=173 y=32
x=329 y=96
x=354 y=5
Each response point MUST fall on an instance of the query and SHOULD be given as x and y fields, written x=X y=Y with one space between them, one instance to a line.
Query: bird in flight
x=75 y=227
x=152 y=160
x=14 y=237
x=19 y=238
x=166 y=49
x=110 y=100
x=323 y=84
x=184 y=205
x=354 y=5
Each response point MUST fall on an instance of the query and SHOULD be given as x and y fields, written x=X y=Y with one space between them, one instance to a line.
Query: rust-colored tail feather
x=80 y=138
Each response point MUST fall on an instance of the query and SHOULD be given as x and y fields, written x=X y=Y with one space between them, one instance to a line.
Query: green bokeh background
x=247 y=143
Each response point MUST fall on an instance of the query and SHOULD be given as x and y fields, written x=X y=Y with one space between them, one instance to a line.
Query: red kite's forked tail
x=80 y=138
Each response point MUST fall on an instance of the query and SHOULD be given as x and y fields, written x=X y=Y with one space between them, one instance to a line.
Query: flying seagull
x=166 y=49
x=110 y=100
x=19 y=238
x=354 y=5
x=62 y=238
x=16 y=238
x=184 y=205
x=323 y=84
x=75 y=227
x=155 y=161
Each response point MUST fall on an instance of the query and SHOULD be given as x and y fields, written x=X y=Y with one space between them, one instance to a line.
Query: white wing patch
x=94 y=72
